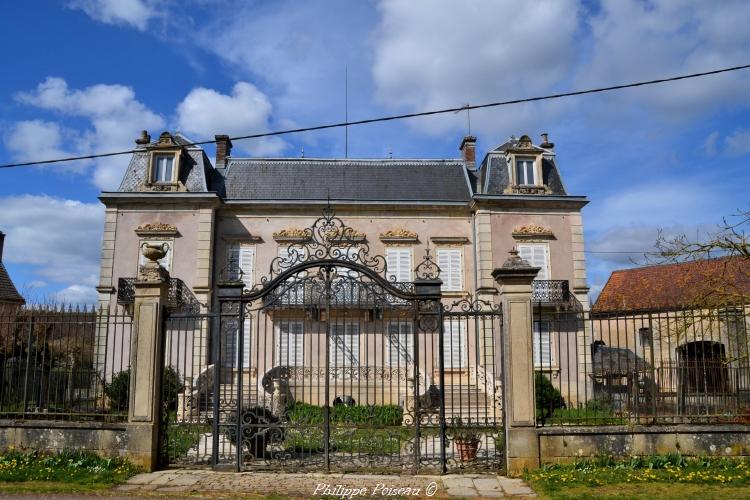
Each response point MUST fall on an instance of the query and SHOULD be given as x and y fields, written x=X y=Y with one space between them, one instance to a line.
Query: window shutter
x=454 y=350
x=398 y=261
x=400 y=343
x=449 y=261
x=537 y=256
x=345 y=344
x=290 y=343
x=543 y=356
x=247 y=264
x=247 y=330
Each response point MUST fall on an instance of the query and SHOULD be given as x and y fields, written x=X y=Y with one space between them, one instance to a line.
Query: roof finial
x=303 y=152
x=390 y=153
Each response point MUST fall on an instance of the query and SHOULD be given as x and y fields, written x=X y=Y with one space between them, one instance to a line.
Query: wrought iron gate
x=327 y=364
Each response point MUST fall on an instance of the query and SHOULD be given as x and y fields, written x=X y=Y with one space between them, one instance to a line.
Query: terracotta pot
x=154 y=252
x=467 y=449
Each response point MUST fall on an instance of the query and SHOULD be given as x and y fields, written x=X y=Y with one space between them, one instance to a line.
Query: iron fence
x=642 y=367
x=64 y=363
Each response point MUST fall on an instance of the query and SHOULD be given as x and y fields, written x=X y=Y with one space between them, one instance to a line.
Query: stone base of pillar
x=143 y=446
x=522 y=448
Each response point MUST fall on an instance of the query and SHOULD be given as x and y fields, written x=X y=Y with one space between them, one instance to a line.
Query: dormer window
x=525 y=172
x=163 y=168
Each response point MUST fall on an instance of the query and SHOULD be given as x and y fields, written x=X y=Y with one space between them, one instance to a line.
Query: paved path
x=347 y=486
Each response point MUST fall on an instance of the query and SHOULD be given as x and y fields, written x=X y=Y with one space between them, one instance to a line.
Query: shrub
x=118 y=391
x=548 y=399
x=360 y=414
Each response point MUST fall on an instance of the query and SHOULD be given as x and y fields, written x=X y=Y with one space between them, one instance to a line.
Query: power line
x=404 y=116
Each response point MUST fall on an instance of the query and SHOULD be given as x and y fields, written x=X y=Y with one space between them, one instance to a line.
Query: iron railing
x=64 y=363
x=681 y=366
x=179 y=295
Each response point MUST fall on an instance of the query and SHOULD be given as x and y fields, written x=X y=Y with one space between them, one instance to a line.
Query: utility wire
x=404 y=116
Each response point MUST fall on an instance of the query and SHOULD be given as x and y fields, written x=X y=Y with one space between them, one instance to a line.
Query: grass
x=664 y=476
x=371 y=441
x=181 y=437
x=69 y=471
x=590 y=416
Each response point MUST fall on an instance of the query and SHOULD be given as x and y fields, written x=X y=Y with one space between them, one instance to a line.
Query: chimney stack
x=223 y=150
x=545 y=142
x=469 y=151
x=2 y=242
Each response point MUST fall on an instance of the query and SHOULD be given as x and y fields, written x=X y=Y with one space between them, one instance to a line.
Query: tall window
x=344 y=344
x=400 y=343
x=525 y=171
x=163 y=166
x=536 y=254
x=543 y=351
x=241 y=257
x=399 y=265
x=230 y=343
x=454 y=350
x=451 y=270
x=290 y=342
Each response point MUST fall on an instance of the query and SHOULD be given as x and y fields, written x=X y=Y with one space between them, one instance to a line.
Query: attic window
x=525 y=172
x=163 y=168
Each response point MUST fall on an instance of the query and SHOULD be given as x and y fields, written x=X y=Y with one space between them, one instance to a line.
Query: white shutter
x=454 y=348
x=247 y=330
x=247 y=264
x=400 y=343
x=543 y=352
x=451 y=269
x=538 y=256
x=398 y=261
x=290 y=343
x=344 y=344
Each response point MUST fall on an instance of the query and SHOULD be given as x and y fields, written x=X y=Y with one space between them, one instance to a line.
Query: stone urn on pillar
x=152 y=270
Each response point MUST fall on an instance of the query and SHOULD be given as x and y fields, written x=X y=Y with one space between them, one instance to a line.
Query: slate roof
x=674 y=286
x=357 y=180
x=8 y=292
x=615 y=361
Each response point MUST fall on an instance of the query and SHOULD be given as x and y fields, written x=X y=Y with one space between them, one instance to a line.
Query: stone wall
x=105 y=439
x=566 y=444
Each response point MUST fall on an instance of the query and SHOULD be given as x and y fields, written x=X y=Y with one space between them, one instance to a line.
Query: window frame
x=239 y=245
x=543 y=364
x=410 y=267
x=548 y=258
x=522 y=160
x=463 y=333
x=444 y=287
x=399 y=360
x=333 y=347
x=301 y=340
x=175 y=156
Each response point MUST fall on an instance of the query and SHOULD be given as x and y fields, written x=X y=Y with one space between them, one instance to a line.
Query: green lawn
x=64 y=472
x=662 y=477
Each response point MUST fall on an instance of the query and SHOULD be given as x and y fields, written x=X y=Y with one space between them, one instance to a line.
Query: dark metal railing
x=550 y=291
x=179 y=295
x=64 y=363
x=681 y=366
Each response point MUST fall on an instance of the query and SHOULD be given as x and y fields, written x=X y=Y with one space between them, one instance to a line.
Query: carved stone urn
x=154 y=252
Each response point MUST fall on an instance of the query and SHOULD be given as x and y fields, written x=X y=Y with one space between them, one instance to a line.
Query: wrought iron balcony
x=179 y=295
x=550 y=291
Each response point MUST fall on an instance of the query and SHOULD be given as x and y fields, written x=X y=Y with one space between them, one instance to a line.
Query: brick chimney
x=545 y=142
x=469 y=151
x=223 y=150
x=2 y=242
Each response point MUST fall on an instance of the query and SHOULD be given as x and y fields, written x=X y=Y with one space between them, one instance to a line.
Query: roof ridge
x=675 y=264
x=347 y=160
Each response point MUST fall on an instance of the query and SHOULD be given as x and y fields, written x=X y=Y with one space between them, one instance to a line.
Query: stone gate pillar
x=521 y=442
x=147 y=363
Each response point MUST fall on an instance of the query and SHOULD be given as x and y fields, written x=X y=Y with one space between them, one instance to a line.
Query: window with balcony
x=536 y=254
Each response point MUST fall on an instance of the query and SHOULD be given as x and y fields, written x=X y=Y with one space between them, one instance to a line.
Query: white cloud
x=60 y=239
x=206 y=112
x=709 y=146
x=116 y=118
x=434 y=54
x=76 y=294
x=32 y=140
x=135 y=13
x=633 y=40
x=738 y=142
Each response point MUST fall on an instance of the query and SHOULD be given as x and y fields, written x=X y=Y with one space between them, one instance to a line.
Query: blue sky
x=92 y=73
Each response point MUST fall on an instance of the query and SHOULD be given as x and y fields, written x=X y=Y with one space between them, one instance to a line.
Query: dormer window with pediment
x=164 y=165
x=525 y=161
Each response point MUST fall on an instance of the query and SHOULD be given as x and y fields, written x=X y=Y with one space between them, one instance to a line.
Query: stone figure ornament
x=152 y=270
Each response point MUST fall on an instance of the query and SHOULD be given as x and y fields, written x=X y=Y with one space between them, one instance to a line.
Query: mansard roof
x=347 y=179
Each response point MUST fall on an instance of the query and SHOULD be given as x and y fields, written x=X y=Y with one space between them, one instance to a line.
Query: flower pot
x=467 y=449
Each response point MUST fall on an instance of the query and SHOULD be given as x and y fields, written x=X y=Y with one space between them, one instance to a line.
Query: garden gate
x=330 y=363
